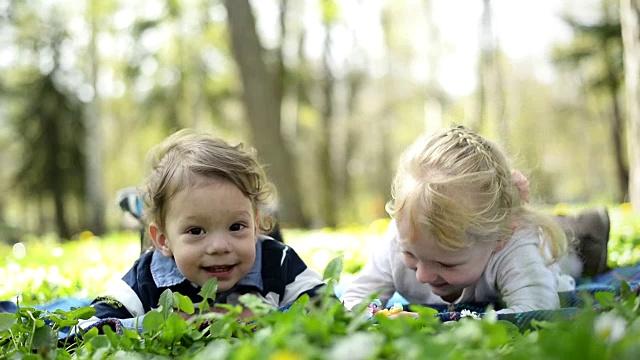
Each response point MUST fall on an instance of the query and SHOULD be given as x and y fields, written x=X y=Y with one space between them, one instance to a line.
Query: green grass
x=624 y=238
x=41 y=269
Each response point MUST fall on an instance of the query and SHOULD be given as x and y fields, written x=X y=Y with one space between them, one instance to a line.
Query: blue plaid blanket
x=571 y=301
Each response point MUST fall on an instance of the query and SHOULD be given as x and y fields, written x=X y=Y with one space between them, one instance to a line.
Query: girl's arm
x=376 y=276
x=524 y=281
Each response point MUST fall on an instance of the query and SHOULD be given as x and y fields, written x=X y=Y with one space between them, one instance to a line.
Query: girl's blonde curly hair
x=458 y=186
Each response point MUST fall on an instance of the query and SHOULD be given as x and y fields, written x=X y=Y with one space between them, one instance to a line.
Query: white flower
x=490 y=316
x=469 y=313
x=19 y=250
x=610 y=327
x=359 y=346
x=469 y=330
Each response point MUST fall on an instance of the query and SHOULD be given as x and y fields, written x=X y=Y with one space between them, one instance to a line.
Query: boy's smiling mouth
x=219 y=270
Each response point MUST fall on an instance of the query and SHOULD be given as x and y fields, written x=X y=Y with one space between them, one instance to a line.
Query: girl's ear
x=500 y=245
x=160 y=240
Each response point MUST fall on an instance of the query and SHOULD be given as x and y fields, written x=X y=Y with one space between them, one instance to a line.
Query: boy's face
x=211 y=231
x=448 y=272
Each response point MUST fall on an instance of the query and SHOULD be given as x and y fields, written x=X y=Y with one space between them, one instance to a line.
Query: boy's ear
x=256 y=225
x=160 y=240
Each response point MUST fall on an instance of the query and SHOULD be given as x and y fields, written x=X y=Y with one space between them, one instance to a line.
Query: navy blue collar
x=165 y=272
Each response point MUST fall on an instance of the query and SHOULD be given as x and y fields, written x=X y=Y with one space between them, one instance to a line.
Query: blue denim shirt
x=165 y=271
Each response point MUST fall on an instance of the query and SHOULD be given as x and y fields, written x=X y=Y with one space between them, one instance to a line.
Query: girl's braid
x=464 y=137
x=487 y=154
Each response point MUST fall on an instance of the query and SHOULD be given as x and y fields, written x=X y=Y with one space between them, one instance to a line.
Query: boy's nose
x=218 y=244
x=425 y=275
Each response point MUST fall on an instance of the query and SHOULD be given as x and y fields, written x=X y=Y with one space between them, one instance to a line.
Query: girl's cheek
x=453 y=276
x=409 y=263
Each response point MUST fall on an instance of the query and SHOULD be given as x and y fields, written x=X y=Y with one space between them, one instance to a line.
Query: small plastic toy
x=396 y=308
x=373 y=308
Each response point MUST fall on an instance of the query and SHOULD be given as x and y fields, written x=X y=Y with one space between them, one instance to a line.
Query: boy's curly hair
x=182 y=157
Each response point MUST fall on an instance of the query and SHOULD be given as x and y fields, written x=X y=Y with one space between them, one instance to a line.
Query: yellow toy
x=396 y=308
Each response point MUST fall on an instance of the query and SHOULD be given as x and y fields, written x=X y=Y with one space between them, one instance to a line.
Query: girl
x=462 y=233
x=206 y=203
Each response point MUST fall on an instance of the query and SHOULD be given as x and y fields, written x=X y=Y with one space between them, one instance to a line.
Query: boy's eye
x=237 y=227
x=195 y=231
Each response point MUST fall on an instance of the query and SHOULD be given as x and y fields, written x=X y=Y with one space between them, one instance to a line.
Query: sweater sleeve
x=299 y=278
x=118 y=302
x=524 y=281
x=377 y=276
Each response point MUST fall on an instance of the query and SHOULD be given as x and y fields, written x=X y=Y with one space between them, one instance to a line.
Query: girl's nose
x=425 y=275
x=218 y=244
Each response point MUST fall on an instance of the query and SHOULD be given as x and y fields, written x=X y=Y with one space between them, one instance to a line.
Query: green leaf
x=130 y=334
x=175 y=326
x=625 y=290
x=209 y=289
x=183 y=303
x=605 y=298
x=6 y=321
x=208 y=292
x=81 y=313
x=333 y=269
x=255 y=304
x=166 y=303
x=152 y=322
x=93 y=332
x=424 y=311
x=99 y=342
x=42 y=338
x=31 y=357
x=220 y=329
x=114 y=338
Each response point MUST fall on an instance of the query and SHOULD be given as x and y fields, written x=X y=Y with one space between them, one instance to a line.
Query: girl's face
x=448 y=272
x=211 y=231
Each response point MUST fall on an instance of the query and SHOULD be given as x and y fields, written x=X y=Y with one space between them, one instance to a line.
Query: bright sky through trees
x=525 y=30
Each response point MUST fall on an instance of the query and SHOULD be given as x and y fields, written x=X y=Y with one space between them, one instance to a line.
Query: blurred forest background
x=328 y=91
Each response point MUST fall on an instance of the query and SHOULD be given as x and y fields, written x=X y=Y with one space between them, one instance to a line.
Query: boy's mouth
x=219 y=269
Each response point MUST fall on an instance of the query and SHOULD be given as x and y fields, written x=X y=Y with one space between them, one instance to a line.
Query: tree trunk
x=618 y=152
x=499 y=98
x=53 y=174
x=262 y=99
x=434 y=96
x=347 y=193
x=630 y=21
x=484 y=66
x=93 y=143
x=327 y=189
